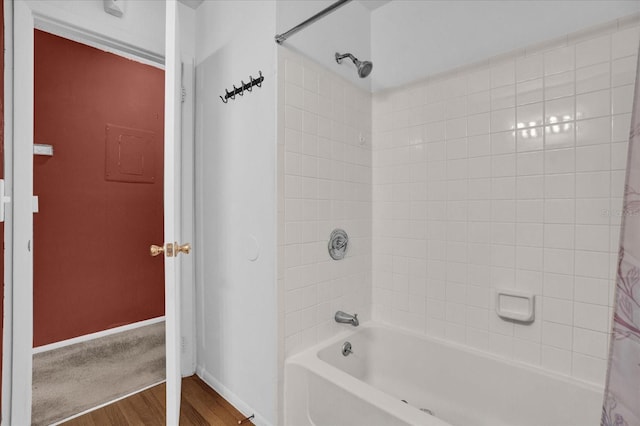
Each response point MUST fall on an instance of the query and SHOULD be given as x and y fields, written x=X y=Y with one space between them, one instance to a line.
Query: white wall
x=187 y=24
x=508 y=174
x=347 y=29
x=414 y=39
x=236 y=187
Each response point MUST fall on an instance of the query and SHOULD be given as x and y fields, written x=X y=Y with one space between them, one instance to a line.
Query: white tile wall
x=508 y=174
x=324 y=182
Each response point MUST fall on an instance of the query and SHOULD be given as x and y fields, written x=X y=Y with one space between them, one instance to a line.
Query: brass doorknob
x=156 y=250
x=183 y=248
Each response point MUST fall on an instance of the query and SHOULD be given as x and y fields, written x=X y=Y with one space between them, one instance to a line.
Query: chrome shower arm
x=340 y=57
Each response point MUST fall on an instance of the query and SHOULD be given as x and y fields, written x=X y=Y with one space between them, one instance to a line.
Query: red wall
x=92 y=268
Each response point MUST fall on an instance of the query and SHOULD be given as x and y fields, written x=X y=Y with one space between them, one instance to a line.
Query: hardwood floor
x=200 y=406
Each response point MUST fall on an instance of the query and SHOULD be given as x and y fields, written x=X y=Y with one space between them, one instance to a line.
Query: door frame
x=19 y=74
x=172 y=214
x=7 y=331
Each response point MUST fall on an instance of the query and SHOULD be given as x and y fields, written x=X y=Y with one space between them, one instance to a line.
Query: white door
x=173 y=247
x=24 y=22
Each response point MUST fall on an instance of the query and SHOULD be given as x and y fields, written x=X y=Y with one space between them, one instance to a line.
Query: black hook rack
x=246 y=419
x=243 y=86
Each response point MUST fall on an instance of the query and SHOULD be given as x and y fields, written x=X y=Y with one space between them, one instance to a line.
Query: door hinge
x=4 y=200
x=183 y=94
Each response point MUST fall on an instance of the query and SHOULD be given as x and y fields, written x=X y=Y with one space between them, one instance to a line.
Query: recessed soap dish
x=515 y=305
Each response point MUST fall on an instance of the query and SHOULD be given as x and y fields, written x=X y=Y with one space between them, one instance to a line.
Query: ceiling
x=413 y=39
x=369 y=4
x=192 y=3
x=373 y=4
x=408 y=40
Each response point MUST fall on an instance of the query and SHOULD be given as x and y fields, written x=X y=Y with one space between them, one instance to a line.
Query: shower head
x=364 y=67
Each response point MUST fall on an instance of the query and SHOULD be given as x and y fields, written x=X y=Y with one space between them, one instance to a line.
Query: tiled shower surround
x=507 y=174
x=324 y=172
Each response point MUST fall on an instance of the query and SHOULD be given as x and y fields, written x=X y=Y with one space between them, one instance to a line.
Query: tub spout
x=345 y=318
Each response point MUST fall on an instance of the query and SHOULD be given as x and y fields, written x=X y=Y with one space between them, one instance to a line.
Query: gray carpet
x=74 y=378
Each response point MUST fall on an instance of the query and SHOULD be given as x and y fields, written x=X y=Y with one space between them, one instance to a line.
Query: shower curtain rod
x=280 y=38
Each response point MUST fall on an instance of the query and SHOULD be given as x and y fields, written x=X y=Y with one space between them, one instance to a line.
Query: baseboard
x=231 y=397
x=96 y=335
x=106 y=403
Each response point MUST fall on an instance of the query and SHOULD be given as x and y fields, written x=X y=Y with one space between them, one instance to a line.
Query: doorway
x=98 y=175
x=88 y=26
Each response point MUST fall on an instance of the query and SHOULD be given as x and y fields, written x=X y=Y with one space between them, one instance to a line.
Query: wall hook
x=243 y=86
x=246 y=419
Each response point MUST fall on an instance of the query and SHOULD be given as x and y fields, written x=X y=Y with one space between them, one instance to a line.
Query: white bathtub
x=461 y=386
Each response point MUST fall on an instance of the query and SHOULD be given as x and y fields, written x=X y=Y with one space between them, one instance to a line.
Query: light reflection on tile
x=530 y=139
x=502 y=120
x=559 y=135
x=559 y=110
